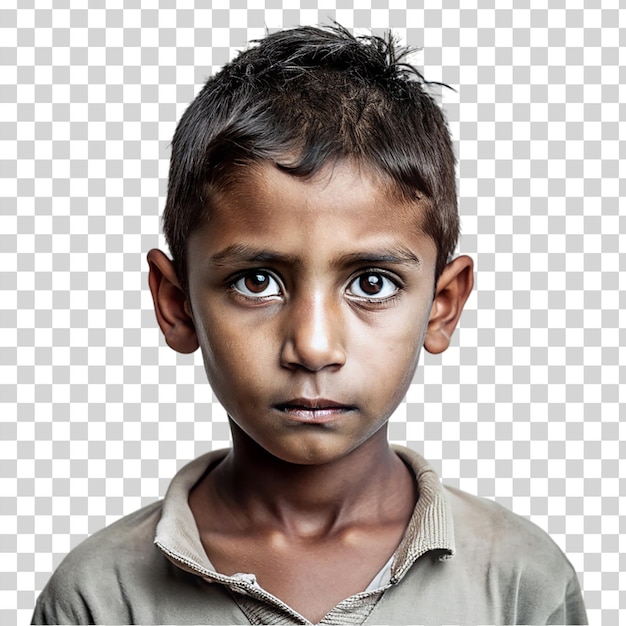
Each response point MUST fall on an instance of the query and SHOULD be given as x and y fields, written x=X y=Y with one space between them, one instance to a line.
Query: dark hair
x=305 y=97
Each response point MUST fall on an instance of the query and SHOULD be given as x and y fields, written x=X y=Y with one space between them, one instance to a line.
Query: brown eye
x=257 y=284
x=373 y=286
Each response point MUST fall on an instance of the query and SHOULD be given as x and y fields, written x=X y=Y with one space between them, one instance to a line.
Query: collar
x=430 y=528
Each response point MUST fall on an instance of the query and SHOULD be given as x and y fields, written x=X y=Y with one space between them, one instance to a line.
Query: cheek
x=232 y=354
x=397 y=367
x=388 y=355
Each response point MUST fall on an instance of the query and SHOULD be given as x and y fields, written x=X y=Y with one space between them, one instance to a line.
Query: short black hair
x=303 y=98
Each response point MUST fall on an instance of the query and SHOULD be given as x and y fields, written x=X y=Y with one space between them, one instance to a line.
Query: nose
x=313 y=337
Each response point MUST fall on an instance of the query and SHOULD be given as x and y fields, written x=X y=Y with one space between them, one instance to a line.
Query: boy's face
x=310 y=300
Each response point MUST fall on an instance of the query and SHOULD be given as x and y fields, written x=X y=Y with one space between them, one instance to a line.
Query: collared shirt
x=462 y=560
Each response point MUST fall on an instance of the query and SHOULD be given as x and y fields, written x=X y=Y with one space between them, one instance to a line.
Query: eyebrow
x=242 y=253
x=395 y=256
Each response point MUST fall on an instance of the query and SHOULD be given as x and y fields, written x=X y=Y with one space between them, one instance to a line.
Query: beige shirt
x=463 y=560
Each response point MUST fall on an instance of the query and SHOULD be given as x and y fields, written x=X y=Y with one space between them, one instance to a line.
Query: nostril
x=312 y=359
x=313 y=337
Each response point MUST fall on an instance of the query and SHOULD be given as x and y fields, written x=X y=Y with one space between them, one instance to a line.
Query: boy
x=311 y=216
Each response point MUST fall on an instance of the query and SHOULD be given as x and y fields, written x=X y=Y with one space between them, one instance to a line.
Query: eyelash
x=372 y=300
x=256 y=273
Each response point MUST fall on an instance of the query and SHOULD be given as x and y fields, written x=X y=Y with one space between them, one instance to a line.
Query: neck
x=313 y=500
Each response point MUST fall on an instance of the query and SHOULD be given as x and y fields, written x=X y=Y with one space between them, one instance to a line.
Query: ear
x=171 y=306
x=453 y=288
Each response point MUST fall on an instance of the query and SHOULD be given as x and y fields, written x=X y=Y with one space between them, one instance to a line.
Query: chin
x=312 y=453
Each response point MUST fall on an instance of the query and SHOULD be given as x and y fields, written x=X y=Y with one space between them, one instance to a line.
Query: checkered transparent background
x=97 y=414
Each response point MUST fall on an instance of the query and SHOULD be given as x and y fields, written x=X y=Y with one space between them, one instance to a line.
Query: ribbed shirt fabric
x=462 y=560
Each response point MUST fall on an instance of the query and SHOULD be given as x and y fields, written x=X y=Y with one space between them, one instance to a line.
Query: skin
x=310 y=300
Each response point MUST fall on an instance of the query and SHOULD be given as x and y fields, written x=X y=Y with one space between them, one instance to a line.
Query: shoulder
x=517 y=559
x=96 y=569
x=484 y=525
x=120 y=576
x=128 y=536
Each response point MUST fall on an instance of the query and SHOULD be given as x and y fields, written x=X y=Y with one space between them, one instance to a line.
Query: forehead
x=341 y=208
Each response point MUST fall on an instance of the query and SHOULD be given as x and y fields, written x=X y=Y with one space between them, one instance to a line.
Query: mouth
x=313 y=410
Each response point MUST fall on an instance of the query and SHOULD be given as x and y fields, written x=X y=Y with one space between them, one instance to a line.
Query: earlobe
x=171 y=305
x=453 y=288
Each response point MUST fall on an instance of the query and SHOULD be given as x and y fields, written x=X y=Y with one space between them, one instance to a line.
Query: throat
x=309 y=499
x=312 y=537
